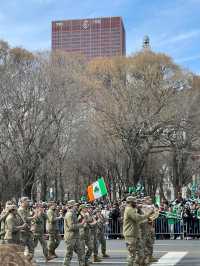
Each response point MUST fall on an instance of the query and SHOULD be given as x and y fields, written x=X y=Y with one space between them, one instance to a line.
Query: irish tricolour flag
x=97 y=190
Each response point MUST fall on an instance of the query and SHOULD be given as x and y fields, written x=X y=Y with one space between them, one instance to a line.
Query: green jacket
x=131 y=222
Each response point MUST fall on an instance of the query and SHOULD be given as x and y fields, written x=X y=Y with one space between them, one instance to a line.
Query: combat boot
x=54 y=254
x=96 y=258
x=153 y=259
x=49 y=257
x=87 y=263
x=147 y=261
x=104 y=255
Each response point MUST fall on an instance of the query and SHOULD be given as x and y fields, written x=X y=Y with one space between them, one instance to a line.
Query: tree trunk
x=177 y=191
x=56 y=187
x=162 y=195
x=61 y=186
x=27 y=190
x=44 y=188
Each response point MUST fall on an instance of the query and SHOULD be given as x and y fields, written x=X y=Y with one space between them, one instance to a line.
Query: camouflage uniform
x=3 y=216
x=94 y=238
x=54 y=236
x=12 y=227
x=26 y=235
x=72 y=236
x=88 y=242
x=150 y=239
x=131 y=229
x=141 y=241
x=150 y=235
x=85 y=233
x=100 y=232
x=37 y=227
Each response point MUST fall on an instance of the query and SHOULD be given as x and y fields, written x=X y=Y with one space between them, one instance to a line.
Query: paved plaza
x=169 y=252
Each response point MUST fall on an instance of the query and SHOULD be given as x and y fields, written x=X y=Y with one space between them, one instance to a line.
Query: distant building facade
x=96 y=37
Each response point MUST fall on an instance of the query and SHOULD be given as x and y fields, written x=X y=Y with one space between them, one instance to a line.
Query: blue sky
x=172 y=25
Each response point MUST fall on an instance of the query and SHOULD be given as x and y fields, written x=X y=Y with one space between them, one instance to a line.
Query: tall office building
x=92 y=37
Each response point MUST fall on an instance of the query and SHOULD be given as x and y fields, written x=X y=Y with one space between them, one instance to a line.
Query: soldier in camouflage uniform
x=81 y=217
x=72 y=235
x=131 y=228
x=3 y=216
x=26 y=234
x=85 y=232
x=101 y=232
x=150 y=236
x=93 y=231
x=12 y=226
x=52 y=229
x=141 y=242
x=37 y=227
x=89 y=240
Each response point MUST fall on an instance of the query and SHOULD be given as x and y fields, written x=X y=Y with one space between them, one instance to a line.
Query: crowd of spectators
x=177 y=219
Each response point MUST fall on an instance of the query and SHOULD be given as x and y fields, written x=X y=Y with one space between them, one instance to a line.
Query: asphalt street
x=169 y=252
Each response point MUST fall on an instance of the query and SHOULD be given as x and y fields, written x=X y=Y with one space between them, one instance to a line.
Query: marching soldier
x=37 y=227
x=52 y=229
x=100 y=232
x=150 y=233
x=131 y=228
x=85 y=232
x=3 y=216
x=141 y=242
x=12 y=226
x=94 y=235
x=81 y=217
x=26 y=234
x=72 y=235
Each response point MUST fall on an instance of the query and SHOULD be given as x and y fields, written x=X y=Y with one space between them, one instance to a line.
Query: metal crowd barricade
x=192 y=227
x=169 y=228
x=61 y=226
x=113 y=229
x=164 y=229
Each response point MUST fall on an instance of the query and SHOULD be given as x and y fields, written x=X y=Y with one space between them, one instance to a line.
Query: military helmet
x=9 y=202
x=71 y=203
x=23 y=199
x=82 y=206
x=98 y=209
x=11 y=207
x=131 y=199
x=51 y=204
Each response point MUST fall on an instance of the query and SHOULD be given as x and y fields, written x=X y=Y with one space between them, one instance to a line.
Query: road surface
x=169 y=252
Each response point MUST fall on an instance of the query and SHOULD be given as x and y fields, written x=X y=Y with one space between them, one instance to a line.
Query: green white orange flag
x=97 y=190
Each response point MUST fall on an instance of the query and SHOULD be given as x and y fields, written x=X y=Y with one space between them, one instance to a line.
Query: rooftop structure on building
x=97 y=37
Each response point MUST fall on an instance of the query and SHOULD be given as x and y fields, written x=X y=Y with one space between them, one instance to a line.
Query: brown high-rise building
x=92 y=37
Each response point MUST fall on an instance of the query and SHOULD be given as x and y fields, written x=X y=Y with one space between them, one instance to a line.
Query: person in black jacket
x=115 y=222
